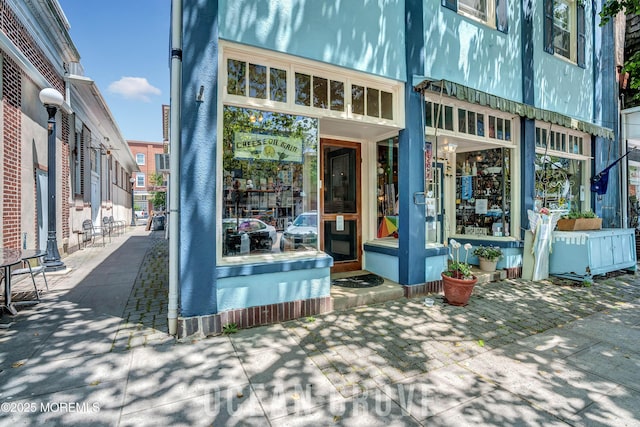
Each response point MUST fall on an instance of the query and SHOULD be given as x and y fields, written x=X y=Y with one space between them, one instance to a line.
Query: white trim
x=294 y=65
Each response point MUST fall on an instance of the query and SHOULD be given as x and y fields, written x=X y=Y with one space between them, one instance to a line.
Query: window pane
x=480 y=124
x=477 y=8
x=489 y=188
x=557 y=182
x=561 y=29
x=320 y=88
x=507 y=130
x=429 y=115
x=270 y=180
x=499 y=130
x=278 y=85
x=462 y=120
x=236 y=77
x=386 y=99
x=357 y=99
x=337 y=95
x=303 y=89
x=472 y=122
x=257 y=81
x=492 y=127
x=448 y=118
x=373 y=102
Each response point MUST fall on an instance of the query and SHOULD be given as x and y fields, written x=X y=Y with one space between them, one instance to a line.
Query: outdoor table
x=9 y=258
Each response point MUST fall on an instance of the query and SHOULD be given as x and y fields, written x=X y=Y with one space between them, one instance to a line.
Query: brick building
x=93 y=162
x=145 y=154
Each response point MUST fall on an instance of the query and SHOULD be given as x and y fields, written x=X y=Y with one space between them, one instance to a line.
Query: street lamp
x=52 y=100
x=132 y=180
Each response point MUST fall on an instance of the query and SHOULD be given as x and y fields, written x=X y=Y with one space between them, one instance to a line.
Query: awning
x=465 y=93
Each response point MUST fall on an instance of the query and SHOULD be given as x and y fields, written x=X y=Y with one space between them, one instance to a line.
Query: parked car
x=261 y=235
x=142 y=217
x=302 y=231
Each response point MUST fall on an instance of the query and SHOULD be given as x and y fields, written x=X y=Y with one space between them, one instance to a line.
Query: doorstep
x=344 y=298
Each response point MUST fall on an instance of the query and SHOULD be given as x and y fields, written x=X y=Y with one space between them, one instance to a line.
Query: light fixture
x=52 y=100
x=200 y=95
x=450 y=147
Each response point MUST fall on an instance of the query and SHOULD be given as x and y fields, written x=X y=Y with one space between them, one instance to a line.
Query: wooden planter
x=579 y=224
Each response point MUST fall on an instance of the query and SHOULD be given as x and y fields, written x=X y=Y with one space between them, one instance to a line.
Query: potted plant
x=576 y=220
x=457 y=279
x=488 y=257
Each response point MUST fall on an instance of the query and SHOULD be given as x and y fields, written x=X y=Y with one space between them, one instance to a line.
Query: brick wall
x=12 y=154
x=12 y=77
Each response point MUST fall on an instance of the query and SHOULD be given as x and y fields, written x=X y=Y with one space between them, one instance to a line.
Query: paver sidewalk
x=521 y=353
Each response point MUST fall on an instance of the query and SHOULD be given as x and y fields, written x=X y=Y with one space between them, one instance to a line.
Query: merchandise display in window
x=269 y=179
x=387 y=188
x=483 y=190
x=558 y=183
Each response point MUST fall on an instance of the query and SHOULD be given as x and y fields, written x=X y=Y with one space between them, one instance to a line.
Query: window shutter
x=450 y=4
x=548 y=26
x=502 y=16
x=581 y=37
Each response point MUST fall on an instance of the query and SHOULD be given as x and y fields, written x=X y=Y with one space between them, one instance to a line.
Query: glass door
x=340 y=219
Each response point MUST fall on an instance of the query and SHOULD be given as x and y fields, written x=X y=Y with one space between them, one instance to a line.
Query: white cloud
x=136 y=88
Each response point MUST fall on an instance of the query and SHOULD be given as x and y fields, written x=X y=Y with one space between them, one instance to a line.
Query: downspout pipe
x=174 y=164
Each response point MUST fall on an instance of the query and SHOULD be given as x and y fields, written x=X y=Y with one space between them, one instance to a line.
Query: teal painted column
x=198 y=158
x=527 y=126
x=411 y=244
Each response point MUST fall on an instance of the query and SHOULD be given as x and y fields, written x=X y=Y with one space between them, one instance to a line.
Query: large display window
x=483 y=192
x=270 y=182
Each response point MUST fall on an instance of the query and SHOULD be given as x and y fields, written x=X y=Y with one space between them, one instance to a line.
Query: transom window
x=468 y=121
x=559 y=141
x=258 y=81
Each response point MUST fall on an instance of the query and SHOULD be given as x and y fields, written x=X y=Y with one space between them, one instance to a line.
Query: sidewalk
x=96 y=352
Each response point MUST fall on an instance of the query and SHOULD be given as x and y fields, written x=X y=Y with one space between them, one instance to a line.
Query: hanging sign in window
x=251 y=146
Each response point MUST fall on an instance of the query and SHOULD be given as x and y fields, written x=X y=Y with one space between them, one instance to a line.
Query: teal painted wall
x=465 y=51
x=382 y=264
x=274 y=288
x=362 y=35
x=560 y=85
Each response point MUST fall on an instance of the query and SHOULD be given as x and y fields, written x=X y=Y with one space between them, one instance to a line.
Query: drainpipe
x=174 y=164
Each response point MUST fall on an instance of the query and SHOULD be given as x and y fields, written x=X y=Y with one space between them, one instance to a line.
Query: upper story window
x=564 y=29
x=140 y=158
x=493 y=13
x=140 y=180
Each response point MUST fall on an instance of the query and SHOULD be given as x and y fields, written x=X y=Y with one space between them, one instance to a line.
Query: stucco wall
x=362 y=35
x=465 y=51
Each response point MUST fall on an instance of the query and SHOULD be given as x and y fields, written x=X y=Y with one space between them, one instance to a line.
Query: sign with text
x=252 y=146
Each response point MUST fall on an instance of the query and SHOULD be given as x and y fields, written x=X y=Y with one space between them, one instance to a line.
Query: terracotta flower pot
x=458 y=291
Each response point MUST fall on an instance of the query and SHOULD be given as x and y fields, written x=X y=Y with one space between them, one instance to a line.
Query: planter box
x=579 y=224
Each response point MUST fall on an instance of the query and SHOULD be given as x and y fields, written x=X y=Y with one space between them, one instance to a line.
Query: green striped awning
x=465 y=93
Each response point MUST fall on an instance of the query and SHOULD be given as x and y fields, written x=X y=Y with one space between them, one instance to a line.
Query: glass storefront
x=270 y=182
x=483 y=192
x=387 y=188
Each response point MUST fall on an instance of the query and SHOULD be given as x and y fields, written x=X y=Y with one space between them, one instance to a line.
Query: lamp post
x=52 y=100
x=132 y=180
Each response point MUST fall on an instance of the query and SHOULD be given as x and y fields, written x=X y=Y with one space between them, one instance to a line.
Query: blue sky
x=124 y=48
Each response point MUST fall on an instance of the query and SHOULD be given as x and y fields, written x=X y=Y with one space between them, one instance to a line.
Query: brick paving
x=145 y=314
x=385 y=343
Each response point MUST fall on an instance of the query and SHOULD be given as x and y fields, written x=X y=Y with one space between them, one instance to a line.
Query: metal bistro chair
x=33 y=270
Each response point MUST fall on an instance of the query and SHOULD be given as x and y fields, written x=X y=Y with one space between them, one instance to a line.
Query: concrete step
x=344 y=298
x=486 y=276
